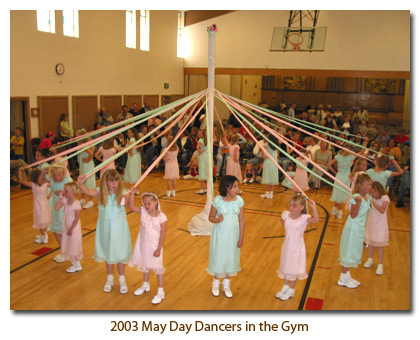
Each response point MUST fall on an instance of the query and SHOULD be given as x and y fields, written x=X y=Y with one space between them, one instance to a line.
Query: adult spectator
x=185 y=151
x=347 y=126
x=134 y=110
x=322 y=157
x=145 y=108
x=66 y=132
x=393 y=150
x=383 y=138
x=292 y=111
x=404 y=184
x=338 y=116
x=329 y=122
x=311 y=146
x=363 y=128
x=362 y=114
x=310 y=106
x=104 y=118
x=401 y=138
x=124 y=115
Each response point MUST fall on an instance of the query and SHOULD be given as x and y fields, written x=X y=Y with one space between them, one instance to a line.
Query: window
x=144 y=30
x=46 y=20
x=130 y=29
x=180 y=33
x=71 y=23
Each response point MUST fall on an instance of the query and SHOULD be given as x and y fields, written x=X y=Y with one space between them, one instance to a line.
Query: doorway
x=19 y=117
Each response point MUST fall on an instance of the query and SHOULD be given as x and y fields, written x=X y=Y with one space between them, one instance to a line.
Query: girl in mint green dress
x=270 y=174
x=85 y=160
x=226 y=239
x=112 y=239
x=132 y=171
x=353 y=235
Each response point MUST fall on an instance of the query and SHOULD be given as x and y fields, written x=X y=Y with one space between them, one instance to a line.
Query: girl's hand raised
x=312 y=204
x=81 y=178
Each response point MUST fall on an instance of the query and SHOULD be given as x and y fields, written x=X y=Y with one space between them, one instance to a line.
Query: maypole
x=200 y=224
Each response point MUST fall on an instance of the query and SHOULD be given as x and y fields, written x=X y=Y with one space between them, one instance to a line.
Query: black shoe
x=400 y=204
x=24 y=187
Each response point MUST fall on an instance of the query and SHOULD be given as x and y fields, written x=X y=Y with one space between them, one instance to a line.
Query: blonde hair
x=110 y=175
x=57 y=167
x=174 y=146
x=299 y=199
x=82 y=132
x=357 y=166
x=152 y=195
x=360 y=180
x=74 y=187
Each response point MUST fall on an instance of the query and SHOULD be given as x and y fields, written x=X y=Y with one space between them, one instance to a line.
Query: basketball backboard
x=298 y=39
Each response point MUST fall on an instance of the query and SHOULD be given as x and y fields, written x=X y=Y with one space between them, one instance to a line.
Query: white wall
x=97 y=63
x=356 y=40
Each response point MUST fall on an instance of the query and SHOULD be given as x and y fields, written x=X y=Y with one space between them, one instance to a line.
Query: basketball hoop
x=296 y=39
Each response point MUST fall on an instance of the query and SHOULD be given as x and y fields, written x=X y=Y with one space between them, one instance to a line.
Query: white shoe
x=215 y=288
x=346 y=281
x=340 y=214
x=88 y=205
x=108 y=286
x=226 y=288
x=334 y=211
x=380 y=269
x=368 y=263
x=283 y=290
x=168 y=193
x=123 y=287
x=59 y=258
x=137 y=193
x=41 y=239
x=82 y=202
x=143 y=289
x=158 y=298
x=74 y=268
x=200 y=192
x=288 y=294
x=266 y=195
x=173 y=193
x=357 y=283
x=270 y=196
x=251 y=181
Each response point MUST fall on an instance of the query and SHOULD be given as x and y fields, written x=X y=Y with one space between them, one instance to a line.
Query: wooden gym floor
x=38 y=283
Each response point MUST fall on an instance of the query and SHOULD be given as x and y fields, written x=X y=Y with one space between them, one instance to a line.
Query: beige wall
x=355 y=40
x=97 y=63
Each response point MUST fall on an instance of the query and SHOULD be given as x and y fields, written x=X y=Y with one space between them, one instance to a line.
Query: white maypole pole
x=200 y=224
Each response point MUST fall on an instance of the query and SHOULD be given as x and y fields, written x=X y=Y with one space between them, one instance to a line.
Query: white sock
x=160 y=290
x=122 y=278
x=110 y=278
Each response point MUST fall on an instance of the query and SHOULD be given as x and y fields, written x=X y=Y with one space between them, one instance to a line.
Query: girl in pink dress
x=148 y=252
x=233 y=166
x=106 y=151
x=293 y=252
x=71 y=240
x=171 y=167
x=301 y=175
x=377 y=234
x=42 y=211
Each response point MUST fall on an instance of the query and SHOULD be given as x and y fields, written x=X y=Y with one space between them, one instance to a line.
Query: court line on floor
x=314 y=261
